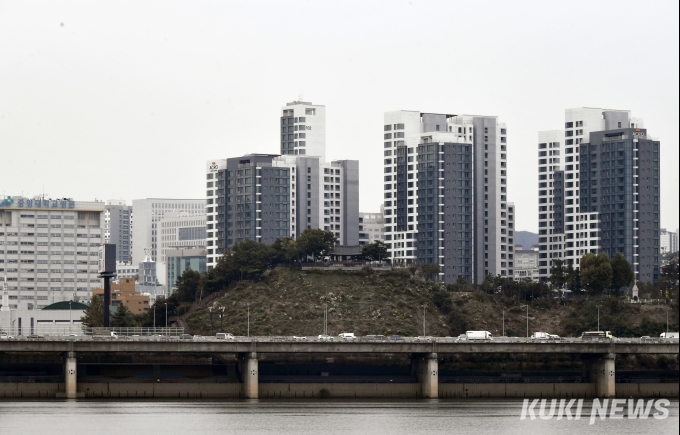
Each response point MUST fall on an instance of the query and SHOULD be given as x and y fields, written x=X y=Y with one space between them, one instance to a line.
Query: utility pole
x=503 y=323
x=210 y=310
x=424 y=305
x=527 y=319
x=325 y=319
x=248 y=319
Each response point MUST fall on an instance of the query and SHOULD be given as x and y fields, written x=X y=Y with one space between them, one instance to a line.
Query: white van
x=347 y=336
x=224 y=336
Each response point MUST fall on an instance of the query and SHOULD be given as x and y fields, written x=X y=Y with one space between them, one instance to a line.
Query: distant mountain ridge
x=526 y=239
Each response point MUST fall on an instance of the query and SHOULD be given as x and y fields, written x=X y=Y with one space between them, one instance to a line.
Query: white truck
x=347 y=336
x=541 y=335
x=478 y=335
x=104 y=333
x=669 y=335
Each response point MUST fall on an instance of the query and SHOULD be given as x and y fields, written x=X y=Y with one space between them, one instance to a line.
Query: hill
x=291 y=302
x=526 y=239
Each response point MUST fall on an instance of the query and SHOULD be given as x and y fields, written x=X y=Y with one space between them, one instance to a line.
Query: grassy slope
x=289 y=302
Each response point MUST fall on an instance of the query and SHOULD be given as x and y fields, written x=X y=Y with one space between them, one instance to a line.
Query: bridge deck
x=269 y=345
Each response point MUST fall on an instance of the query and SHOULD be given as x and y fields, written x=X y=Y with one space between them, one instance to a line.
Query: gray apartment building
x=445 y=197
x=266 y=197
x=118 y=228
x=599 y=191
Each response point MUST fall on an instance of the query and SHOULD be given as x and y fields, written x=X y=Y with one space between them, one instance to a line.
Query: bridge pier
x=248 y=366
x=603 y=375
x=426 y=368
x=70 y=375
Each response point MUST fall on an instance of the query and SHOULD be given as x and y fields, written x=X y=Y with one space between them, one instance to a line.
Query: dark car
x=185 y=337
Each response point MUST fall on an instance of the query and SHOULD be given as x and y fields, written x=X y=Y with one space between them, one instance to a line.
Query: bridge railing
x=83 y=331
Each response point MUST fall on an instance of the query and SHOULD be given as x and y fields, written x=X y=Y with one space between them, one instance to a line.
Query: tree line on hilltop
x=247 y=260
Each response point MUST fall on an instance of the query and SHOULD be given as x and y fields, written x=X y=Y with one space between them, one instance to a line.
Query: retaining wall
x=340 y=390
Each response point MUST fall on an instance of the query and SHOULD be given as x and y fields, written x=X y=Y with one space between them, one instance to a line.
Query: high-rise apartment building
x=599 y=191
x=303 y=130
x=267 y=197
x=445 y=197
x=118 y=228
x=49 y=249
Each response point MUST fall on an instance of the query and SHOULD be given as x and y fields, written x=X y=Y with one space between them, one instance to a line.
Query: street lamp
x=221 y=318
x=424 y=305
x=248 y=304
x=503 y=323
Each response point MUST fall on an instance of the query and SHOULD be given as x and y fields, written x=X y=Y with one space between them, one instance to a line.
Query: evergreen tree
x=622 y=271
x=558 y=276
x=375 y=251
x=431 y=269
x=93 y=316
x=122 y=318
x=596 y=272
x=316 y=242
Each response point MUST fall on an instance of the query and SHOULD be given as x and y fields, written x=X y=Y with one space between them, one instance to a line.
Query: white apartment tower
x=267 y=197
x=593 y=190
x=445 y=193
x=303 y=130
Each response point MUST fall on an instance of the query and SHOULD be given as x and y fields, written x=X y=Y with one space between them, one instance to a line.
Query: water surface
x=300 y=417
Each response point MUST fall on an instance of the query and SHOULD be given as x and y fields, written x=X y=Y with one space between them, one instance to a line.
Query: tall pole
x=154 y=318
x=107 y=299
x=70 y=317
x=423 y=320
x=527 y=319
x=503 y=323
x=598 y=318
x=248 y=320
x=666 y=322
x=166 y=317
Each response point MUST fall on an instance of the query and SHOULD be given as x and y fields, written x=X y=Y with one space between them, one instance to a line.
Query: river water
x=299 y=417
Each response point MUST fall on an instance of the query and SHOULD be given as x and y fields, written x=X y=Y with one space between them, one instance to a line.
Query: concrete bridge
x=599 y=355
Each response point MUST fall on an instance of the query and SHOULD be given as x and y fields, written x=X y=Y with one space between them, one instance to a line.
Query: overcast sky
x=128 y=100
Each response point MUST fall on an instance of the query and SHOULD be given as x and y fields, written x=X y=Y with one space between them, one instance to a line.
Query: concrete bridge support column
x=70 y=375
x=426 y=368
x=603 y=375
x=249 y=375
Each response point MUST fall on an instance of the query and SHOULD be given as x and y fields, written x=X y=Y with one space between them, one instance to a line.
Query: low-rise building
x=124 y=292
x=58 y=318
